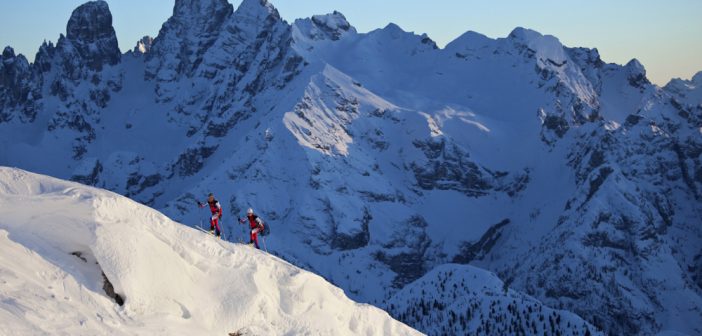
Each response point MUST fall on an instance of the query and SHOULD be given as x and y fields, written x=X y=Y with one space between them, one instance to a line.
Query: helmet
x=249 y=212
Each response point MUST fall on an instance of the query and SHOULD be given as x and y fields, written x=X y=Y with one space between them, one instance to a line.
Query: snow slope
x=457 y=299
x=58 y=238
x=689 y=92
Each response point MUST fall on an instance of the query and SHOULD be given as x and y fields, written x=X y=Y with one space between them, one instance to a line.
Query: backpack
x=266 y=229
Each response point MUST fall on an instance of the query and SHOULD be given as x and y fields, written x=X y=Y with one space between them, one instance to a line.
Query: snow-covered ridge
x=688 y=92
x=461 y=299
x=58 y=238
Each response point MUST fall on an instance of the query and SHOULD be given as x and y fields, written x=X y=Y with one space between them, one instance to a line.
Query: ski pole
x=198 y=205
x=264 y=243
x=202 y=226
x=241 y=240
x=243 y=225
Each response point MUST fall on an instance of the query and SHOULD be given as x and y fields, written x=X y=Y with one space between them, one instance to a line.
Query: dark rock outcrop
x=91 y=33
x=18 y=91
x=144 y=45
x=472 y=251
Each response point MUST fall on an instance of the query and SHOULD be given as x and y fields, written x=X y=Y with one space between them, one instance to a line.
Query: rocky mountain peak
x=635 y=67
x=324 y=27
x=335 y=24
x=18 y=63
x=191 y=30
x=697 y=78
x=525 y=34
x=470 y=40
x=90 y=22
x=393 y=29
x=255 y=16
x=143 y=46
x=202 y=9
x=90 y=31
x=43 y=58
x=8 y=53
x=688 y=92
x=545 y=47
x=12 y=67
x=15 y=85
x=257 y=8
x=636 y=73
x=409 y=39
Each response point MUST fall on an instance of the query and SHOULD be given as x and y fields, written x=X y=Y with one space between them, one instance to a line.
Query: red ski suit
x=256 y=225
x=216 y=210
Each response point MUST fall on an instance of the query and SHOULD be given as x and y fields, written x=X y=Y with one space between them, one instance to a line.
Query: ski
x=208 y=232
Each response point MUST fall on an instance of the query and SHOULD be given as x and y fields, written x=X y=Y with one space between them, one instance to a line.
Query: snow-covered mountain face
x=688 y=94
x=378 y=157
x=459 y=299
x=86 y=261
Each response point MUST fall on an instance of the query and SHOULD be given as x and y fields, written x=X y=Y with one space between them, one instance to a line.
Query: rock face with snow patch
x=144 y=45
x=91 y=33
x=18 y=92
x=185 y=37
x=687 y=93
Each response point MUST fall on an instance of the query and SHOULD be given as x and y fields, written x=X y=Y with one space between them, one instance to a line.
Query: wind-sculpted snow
x=174 y=280
x=379 y=156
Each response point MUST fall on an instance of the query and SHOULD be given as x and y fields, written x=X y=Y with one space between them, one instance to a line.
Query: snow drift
x=58 y=239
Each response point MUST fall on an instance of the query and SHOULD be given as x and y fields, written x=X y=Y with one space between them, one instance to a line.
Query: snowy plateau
x=509 y=186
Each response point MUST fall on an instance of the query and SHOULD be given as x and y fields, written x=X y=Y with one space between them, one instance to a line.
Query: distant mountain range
x=383 y=162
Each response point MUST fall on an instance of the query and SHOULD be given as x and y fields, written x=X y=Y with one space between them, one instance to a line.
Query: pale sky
x=666 y=36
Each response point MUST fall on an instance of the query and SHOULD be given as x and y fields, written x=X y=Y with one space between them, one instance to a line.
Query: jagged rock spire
x=90 y=31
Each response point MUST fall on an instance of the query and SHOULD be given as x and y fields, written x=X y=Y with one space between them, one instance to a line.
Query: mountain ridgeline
x=381 y=157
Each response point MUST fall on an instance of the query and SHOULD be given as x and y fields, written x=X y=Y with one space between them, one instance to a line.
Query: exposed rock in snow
x=687 y=92
x=546 y=48
x=143 y=46
x=636 y=74
x=185 y=37
x=90 y=32
x=18 y=92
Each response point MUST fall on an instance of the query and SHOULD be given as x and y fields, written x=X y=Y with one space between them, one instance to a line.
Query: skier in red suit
x=216 y=210
x=256 y=224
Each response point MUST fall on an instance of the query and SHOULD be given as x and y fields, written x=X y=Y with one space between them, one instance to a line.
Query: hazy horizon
x=663 y=36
